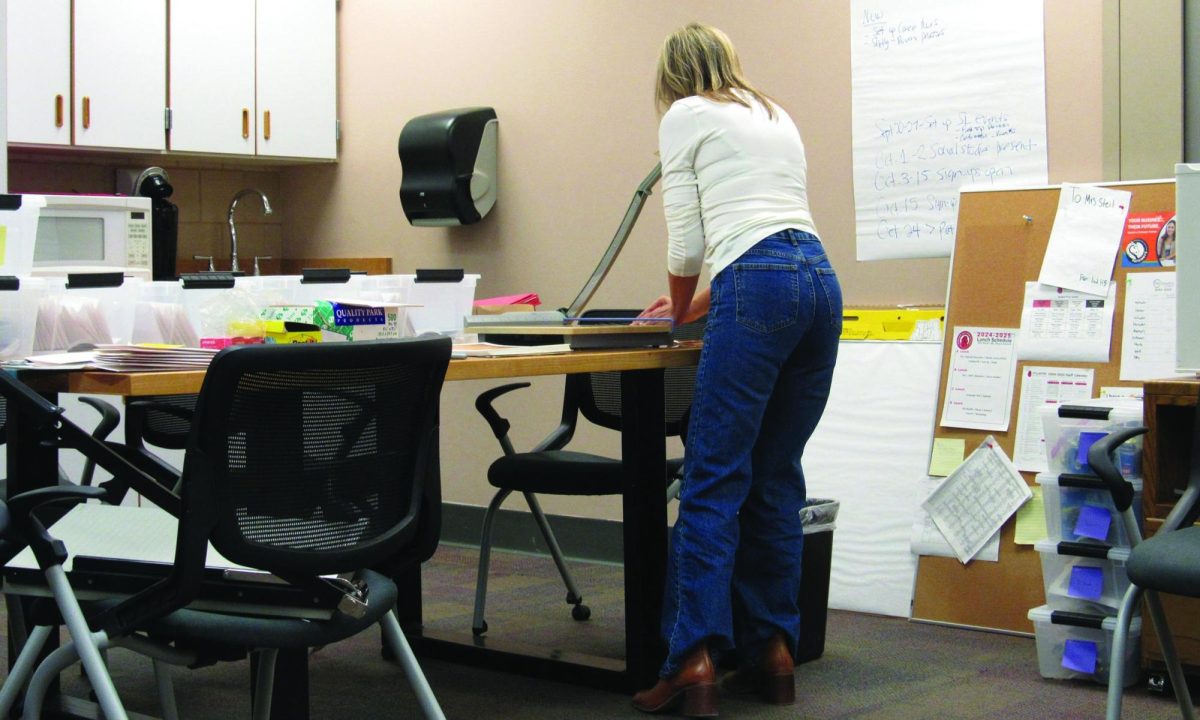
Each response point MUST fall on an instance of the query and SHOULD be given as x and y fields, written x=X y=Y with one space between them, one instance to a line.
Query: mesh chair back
x=160 y=427
x=3 y=420
x=599 y=394
x=318 y=455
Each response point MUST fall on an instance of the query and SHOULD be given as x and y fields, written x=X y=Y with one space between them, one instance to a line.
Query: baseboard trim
x=581 y=538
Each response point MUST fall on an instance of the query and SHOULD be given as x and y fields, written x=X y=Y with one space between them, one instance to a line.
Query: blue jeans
x=733 y=575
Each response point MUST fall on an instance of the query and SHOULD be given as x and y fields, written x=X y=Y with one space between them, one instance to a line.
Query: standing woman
x=735 y=198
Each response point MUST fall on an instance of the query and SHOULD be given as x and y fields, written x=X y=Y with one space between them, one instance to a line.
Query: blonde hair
x=700 y=60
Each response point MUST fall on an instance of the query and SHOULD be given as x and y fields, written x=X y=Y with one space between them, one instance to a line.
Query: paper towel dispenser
x=448 y=160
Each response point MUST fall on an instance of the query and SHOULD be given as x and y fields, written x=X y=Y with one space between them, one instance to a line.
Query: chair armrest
x=499 y=425
x=1101 y=462
x=23 y=528
x=109 y=417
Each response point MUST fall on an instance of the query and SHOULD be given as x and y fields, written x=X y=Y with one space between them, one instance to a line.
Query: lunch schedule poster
x=946 y=94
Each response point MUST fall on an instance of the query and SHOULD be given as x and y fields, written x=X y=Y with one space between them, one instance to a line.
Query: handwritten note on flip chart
x=945 y=94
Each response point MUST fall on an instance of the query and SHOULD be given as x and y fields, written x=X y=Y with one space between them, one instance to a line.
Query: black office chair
x=1168 y=562
x=304 y=461
x=160 y=421
x=549 y=469
x=109 y=419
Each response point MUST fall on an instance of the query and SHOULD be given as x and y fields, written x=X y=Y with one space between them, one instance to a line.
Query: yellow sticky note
x=1031 y=519
x=946 y=456
x=3 y=242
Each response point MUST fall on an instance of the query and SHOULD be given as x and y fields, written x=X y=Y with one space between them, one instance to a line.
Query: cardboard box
x=284 y=332
x=340 y=320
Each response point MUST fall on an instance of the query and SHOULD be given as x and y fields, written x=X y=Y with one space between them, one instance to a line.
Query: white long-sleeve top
x=731 y=177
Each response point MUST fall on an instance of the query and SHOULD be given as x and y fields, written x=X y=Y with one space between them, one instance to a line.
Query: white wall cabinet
x=254 y=77
x=212 y=76
x=119 y=92
x=39 y=71
x=247 y=77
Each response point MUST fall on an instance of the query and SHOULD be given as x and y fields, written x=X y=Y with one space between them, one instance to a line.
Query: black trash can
x=818 y=517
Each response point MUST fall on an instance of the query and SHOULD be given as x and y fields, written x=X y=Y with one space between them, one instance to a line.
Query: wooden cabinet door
x=120 y=93
x=39 y=71
x=212 y=76
x=297 y=78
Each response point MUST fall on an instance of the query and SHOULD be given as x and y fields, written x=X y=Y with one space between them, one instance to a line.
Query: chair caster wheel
x=581 y=612
x=1158 y=684
x=478 y=631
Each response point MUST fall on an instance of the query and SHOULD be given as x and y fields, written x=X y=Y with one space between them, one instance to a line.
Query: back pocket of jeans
x=767 y=294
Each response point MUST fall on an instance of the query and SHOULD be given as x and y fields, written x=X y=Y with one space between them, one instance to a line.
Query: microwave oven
x=93 y=233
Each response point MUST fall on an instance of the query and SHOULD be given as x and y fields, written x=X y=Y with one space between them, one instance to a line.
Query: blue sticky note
x=1086 y=582
x=1080 y=656
x=1086 y=440
x=1094 y=522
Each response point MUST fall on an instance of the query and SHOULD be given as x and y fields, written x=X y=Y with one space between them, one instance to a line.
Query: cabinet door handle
x=58 y=111
x=266 y=124
x=87 y=112
x=245 y=123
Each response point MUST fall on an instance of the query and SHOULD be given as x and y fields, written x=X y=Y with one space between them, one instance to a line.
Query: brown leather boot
x=773 y=677
x=693 y=689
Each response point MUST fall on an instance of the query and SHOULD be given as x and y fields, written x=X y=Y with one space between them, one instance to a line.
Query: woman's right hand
x=660 y=308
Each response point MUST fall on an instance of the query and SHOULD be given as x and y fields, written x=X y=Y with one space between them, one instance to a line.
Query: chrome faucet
x=233 y=250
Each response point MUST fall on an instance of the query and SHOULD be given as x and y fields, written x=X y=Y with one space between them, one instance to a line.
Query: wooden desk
x=1170 y=412
x=643 y=450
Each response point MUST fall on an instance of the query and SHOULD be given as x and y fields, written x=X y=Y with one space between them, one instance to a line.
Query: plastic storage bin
x=19 y=299
x=268 y=289
x=1071 y=430
x=159 y=316
x=69 y=316
x=815 y=565
x=311 y=292
x=18 y=230
x=1079 y=508
x=1079 y=645
x=1083 y=577
x=439 y=307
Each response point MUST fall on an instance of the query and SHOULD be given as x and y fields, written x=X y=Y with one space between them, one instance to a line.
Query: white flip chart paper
x=945 y=94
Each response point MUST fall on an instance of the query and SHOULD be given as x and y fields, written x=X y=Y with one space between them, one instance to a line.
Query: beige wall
x=571 y=82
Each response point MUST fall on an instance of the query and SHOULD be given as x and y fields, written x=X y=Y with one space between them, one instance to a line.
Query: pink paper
x=521 y=299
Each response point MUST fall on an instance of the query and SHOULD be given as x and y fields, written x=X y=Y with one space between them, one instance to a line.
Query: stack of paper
x=146 y=358
x=486 y=349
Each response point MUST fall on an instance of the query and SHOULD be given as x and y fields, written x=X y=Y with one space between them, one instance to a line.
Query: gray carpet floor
x=873 y=668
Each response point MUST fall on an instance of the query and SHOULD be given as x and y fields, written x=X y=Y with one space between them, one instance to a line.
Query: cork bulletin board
x=1002 y=236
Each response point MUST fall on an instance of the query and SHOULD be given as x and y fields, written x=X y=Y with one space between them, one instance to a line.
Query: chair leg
x=264 y=683
x=1170 y=656
x=478 y=624
x=579 y=611
x=166 y=690
x=16 y=620
x=22 y=669
x=1116 y=662
x=87 y=645
x=416 y=678
x=59 y=660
